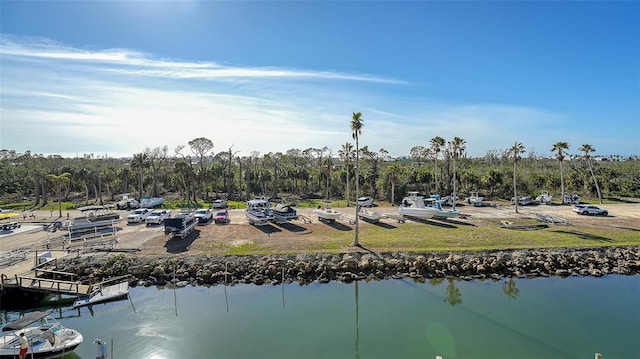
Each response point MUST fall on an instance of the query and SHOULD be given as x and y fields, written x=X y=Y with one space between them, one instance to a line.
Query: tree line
x=194 y=171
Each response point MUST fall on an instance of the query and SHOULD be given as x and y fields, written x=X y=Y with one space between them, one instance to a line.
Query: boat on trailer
x=181 y=225
x=474 y=199
x=436 y=202
x=413 y=206
x=259 y=212
x=285 y=212
x=326 y=212
x=47 y=338
x=544 y=198
x=369 y=215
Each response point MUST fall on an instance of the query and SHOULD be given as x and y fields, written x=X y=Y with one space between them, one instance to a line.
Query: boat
x=47 y=338
x=571 y=198
x=522 y=200
x=151 y=202
x=413 y=206
x=474 y=199
x=127 y=202
x=325 y=212
x=436 y=202
x=181 y=225
x=369 y=215
x=365 y=201
x=285 y=212
x=104 y=294
x=544 y=198
x=94 y=217
x=258 y=212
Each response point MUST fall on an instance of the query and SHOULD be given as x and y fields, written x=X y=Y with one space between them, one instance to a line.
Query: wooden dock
x=40 y=276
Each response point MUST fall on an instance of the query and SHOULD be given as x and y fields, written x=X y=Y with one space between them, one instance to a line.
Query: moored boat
x=413 y=206
x=47 y=338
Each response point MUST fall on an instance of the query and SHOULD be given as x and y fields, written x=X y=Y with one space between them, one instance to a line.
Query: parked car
x=219 y=203
x=158 y=216
x=221 y=217
x=587 y=209
x=203 y=215
x=139 y=215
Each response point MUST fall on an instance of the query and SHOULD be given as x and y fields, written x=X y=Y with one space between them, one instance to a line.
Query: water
x=524 y=318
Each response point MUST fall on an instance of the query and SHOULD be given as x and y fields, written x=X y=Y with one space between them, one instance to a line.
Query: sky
x=116 y=77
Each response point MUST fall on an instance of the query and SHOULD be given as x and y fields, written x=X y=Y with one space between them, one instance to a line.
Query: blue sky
x=115 y=77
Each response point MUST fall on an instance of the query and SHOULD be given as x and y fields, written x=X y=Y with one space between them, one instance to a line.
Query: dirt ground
x=296 y=235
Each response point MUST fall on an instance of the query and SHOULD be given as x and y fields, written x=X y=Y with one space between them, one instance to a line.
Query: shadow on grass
x=179 y=245
x=454 y=221
x=337 y=225
x=430 y=222
x=621 y=200
x=268 y=229
x=587 y=236
x=383 y=225
x=292 y=227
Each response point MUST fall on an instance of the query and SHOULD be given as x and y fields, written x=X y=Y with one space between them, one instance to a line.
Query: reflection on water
x=392 y=319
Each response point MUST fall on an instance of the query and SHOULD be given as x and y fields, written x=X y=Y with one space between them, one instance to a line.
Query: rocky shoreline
x=324 y=268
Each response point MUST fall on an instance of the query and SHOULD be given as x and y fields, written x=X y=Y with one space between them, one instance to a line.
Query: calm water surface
x=523 y=318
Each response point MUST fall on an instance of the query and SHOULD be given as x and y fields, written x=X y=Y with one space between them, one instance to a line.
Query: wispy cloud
x=65 y=100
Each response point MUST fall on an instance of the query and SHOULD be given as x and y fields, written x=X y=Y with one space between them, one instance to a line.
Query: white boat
x=369 y=215
x=47 y=338
x=104 y=294
x=325 y=212
x=544 y=198
x=436 y=202
x=258 y=212
x=150 y=202
x=571 y=198
x=474 y=199
x=285 y=212
x=522 y=200
x=365 y=201
x=413 y=206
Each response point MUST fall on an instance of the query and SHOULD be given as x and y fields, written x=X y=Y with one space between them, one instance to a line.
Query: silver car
x=587 y=209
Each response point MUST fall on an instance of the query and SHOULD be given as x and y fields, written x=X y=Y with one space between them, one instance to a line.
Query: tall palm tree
x=587 y=149
x=559 y=148
x=356 y=131
x=435 y=145
x=59 y=181
x=393 y=172
x=140 y=161
x=457 y=148
x=515 y=152
x=346 y=154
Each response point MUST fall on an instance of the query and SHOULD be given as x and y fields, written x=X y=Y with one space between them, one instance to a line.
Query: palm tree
x=356 y=131
x=140 y=161
x=587 y=149
x=436 y=145
x=457 y=148
x=393 y=172
x=346 y=154
x=515 y=152
x=559 y=148
x=59 y=181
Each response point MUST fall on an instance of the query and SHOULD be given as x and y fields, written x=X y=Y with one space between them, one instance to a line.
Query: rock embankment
x=308 y=268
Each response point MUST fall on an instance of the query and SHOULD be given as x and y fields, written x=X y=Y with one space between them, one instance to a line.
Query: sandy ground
x=291 y=236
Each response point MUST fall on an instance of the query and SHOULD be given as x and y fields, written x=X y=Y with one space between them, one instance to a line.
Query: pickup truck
x=158 y=216
x=139 y=215
x=203 y=215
